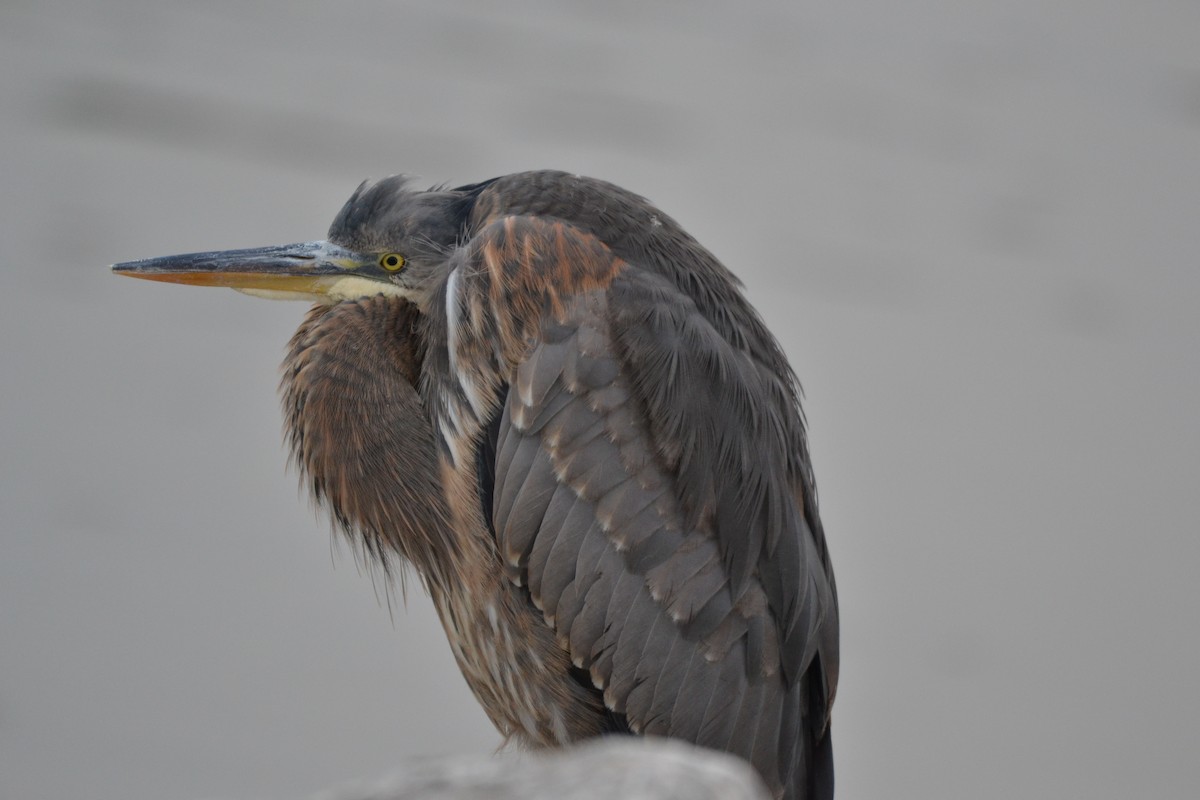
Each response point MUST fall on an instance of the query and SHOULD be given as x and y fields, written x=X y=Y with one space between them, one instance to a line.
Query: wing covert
x=652 y=494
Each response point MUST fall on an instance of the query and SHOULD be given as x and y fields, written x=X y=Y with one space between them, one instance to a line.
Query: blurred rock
x=624 y=768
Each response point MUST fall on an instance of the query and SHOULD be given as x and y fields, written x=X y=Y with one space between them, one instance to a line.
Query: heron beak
x=303 y=271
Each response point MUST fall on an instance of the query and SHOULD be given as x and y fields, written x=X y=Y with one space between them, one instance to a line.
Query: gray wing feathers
x=524 y=502
x=548 y=569
x=726 y=698
x=640 y=643
x=619 y=615
x=737 y=453
x=591 y=549
x=588 y=630
x=636 y=585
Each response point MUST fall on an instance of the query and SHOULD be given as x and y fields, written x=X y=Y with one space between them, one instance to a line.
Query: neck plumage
x=361 y=435
x=363 y=438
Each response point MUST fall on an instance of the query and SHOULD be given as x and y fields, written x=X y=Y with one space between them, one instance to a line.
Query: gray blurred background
x=973 y=225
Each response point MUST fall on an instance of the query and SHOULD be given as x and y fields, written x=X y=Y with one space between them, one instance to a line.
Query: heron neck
x=361 y=435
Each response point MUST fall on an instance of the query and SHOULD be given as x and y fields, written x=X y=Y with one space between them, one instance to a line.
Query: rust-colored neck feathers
x=361 y=435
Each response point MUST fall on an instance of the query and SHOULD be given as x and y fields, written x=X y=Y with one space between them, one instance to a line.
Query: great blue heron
x=556 y=405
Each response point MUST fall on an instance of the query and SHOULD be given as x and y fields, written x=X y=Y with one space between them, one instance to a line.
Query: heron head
x=388 y=239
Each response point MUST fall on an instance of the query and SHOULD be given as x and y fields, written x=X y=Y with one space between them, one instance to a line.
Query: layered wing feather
x=645 y=495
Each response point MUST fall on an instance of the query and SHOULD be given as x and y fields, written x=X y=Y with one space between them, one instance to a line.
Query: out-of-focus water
x=974 y=226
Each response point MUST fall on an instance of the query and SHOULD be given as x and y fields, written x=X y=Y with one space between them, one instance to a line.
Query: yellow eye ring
x=392 y=262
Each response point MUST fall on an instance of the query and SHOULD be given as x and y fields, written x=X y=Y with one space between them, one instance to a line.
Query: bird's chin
x=352 y=287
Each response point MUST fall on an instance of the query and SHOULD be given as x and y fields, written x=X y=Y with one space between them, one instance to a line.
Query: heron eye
x=392 y=262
